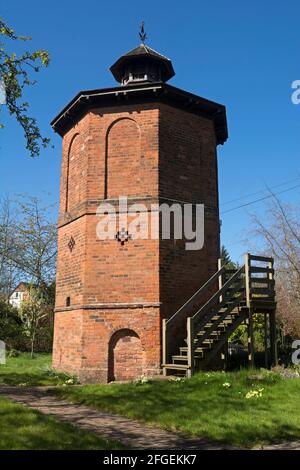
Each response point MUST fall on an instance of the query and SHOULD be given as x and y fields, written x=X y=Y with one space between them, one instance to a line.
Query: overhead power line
x=259 y=192
x=260 y=199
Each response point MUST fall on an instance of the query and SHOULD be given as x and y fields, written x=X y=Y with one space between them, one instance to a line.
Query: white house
x=19 y=294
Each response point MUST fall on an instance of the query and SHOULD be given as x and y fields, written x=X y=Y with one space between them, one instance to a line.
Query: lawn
x=22 y=370
x=25 y=429
x=204 y=406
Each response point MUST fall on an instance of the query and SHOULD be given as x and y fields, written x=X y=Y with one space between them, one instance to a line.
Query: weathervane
x=142 y=34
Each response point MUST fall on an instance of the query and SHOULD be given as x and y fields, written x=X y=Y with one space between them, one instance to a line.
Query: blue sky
x=242 y=54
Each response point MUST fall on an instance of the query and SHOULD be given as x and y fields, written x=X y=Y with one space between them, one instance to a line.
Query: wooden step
x=182 y=359
x=199 y=355
x=219 y=328
x=218 y=345
x=207 y=345
x=198 y=351
x=223 y=323
x=226 y=322
x=204 y=347
x=214 y=333
x=176 y=366
x=179 y=358
x=209 y=341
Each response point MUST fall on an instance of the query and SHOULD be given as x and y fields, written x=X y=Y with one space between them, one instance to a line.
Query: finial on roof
x=142 y=34
x=142 y=64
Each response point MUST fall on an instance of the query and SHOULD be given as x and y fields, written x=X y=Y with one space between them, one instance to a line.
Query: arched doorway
x=125 y=356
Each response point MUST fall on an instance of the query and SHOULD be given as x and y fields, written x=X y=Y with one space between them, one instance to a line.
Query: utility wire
x=259 y=192
x=260 y=199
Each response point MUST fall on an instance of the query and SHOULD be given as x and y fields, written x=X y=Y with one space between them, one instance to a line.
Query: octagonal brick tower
x=153 y=143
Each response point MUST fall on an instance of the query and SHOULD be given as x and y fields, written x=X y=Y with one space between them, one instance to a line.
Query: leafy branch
x=15 y=76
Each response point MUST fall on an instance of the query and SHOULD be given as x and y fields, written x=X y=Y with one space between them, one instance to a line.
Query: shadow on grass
x=23 y=428
x=203 y=407
x=24 y=370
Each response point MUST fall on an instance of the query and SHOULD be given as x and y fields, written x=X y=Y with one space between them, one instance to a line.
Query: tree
x=226 y=259
x=15 y=76
x=224 y=255
x=34 y=246
x=278 y=232
x=11 y=329
x=8 y=273
x=27 y=253
x=27 y=243
x=32 y=311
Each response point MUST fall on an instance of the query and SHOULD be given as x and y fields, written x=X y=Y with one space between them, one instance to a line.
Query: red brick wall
x=112 y=328
x=120 y=151
x=71 y=264
x=123 y=156
x=74 y=166
x=67 y=344
x=188 y=173
x=113 y=270
x=85 y=342
x=126 y=356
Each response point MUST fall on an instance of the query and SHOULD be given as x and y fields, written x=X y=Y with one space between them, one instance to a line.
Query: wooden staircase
x=240 y=293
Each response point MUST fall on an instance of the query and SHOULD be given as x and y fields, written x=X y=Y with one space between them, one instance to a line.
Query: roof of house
x=21 y=287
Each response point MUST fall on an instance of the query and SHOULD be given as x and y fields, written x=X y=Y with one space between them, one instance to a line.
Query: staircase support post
x=250 y=339
x=164 y=345
x=273 y=342
x=247 y=279
x=266 y=339
x=224 y=356
x=190 y=345
x=272 y=321
x=220 y=280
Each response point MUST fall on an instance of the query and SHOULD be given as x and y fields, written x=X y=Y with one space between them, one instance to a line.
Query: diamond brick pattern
x=71 y=243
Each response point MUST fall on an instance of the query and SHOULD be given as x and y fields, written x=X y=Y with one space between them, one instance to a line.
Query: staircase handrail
x=185 y=307
x=219 y=293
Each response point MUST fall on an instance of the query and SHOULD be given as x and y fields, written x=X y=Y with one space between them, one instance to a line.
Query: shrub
x=11 y=330
x=13 y=334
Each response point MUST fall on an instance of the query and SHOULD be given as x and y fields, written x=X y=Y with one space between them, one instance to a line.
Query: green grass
x=25 y=429
x=23 y=370
x=203 y=407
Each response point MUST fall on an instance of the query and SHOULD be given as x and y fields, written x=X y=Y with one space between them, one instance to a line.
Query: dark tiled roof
x=143 y=49
x=142 y=52
x=142 y=93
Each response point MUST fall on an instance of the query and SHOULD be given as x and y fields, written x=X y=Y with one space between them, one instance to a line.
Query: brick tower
x=155 y=144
